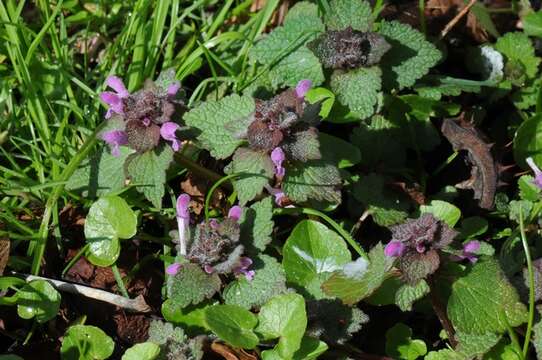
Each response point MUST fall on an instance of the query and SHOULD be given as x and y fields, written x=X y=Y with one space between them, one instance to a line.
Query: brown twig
x=134 y=305
x=439 y=309
x=456 y=19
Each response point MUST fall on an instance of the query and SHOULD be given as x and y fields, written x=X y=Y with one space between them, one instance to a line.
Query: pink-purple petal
x=115 y=83
x=168 y=132
x=302 y=88
x=173 y=88
x=115 y=138
x=394 y=249
x=182 y=206
x=173 y=269
x=278 y=157
x=472 y=246
x=235 y=213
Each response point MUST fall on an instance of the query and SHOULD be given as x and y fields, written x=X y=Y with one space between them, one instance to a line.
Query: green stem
x=120 y=282
x=421 y=9
x=212 y=190
x=514 y=339
x=74 y=259
x=531 y=284
x=198 y=169
x=330 y=221
x=41 y=242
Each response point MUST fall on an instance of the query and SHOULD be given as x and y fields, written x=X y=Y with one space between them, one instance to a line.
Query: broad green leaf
x=386 y=206
x=191 y=318
x=532 y=24
x=324 y=96
x=109 y=219
x=210 y=119
x=485 y=290
x=233 y=324
x=503 y=351
x=407 y=294
x=255 y=170
x=527 y=189
x=338 y=152
x=313 y=249
x=476 y=345
x=446 y=354
x=358 y=89
x=38 y=299
x=518 y=48
x=400 y=345
x=528 y=141
x=100 y=175
x=269 y=280
x=354 y=283
x=257 y=225
x=191 y=285
x=349 y=13
x=313 y=180
x=434 y=87
x=411 y=55
x=299 y=65
x=284 y=317
x=85 y=342
x=142 y=351
x=311 y=349
x=472 y=227
x=148 y=171
x=444 y=211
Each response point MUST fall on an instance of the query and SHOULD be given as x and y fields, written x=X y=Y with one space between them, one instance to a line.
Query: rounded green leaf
x=233 y=324
x=38 y=299
x=313 y=249
x=143 y=351
x=85 y=342
x=109 y=219
x=528 y=141
x=400 y=345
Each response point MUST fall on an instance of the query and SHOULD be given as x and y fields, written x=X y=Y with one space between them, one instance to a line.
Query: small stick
x=456 y=19
x=438 y=307
x=135 y=305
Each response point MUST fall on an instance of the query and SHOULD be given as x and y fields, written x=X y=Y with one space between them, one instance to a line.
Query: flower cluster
x=215 y=245
x=145 y=116
x=416 y=244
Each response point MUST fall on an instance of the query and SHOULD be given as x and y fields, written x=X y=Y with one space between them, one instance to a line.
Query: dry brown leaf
x=4 y=254
x=230 y=353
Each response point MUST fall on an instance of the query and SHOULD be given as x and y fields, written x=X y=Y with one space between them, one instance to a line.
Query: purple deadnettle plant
x=416 y=244
x=144 y=117
x=215 y=245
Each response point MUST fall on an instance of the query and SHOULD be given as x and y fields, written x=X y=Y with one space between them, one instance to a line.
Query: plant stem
x=212 y=190
x=441 y=313
x=74 y=259
x=120 y=282
x=531 y=284
x=421 y=9
x=330 y=221
x=514 y=339
x=199 y=170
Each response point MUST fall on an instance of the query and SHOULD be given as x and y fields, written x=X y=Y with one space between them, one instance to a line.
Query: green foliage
x=191 y=285
x=407 y=294
x=38 y=299
x=142 y=351
x=532 y=24
x=283 y=317
x=85 y=342
x=284 y=51
x=476 y=345
x=348 y=13
x=410 y=58
x=314 y=180
x=358 y=89
x=528 y=141
x=358 y=280
x=339 y=152
x=472 y=227
x=475 y=294
x=173 y=343
x=210 y=119
x=100 y=175
x=148 y=172
x=313 y=250
x=257 y=225
x=400 y=345
x=256 y=170
x=444 y=211
x=520 y=55
x=233 y=324
x=109 y=220
x=269 y=280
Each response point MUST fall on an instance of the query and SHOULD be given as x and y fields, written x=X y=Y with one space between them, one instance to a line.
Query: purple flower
x=276 y=192
x=115 y=139
x=208 y=269
x=235 y=213
x=173 y=88
x=302 y=87
x=183 y=220
x=114 y=99
x=167 y=131
x=470 y=250
x=394 y=249
x=173 y=269
x=242 y=268
x=537 y=172
x=278 y=157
